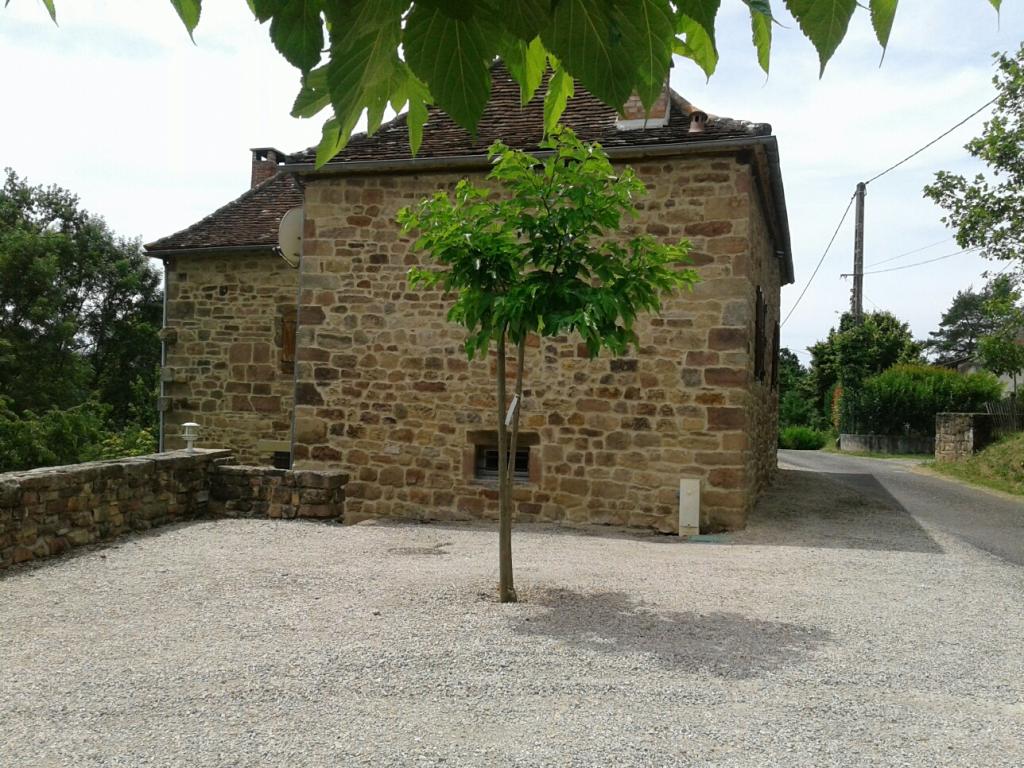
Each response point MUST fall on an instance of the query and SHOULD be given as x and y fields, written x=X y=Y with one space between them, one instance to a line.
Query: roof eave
x=164 y=253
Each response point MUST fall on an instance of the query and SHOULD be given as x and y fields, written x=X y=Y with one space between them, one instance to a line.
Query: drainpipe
x=163 y=364
x=298 y=315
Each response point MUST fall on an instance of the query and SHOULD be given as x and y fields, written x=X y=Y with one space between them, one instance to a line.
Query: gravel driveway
x=835 y=631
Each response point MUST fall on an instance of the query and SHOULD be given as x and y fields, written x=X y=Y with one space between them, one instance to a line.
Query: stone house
x=336 y=362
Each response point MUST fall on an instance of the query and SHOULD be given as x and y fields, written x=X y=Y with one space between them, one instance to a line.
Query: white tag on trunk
x=511 y=410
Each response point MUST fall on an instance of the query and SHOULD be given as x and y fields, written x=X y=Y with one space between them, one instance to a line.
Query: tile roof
x=250 y=220
x=253 y=218
x=521 y=127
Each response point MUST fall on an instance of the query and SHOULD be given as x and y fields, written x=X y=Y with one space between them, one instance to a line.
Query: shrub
x=802 y=438
x=66 y=436
x=904 y=399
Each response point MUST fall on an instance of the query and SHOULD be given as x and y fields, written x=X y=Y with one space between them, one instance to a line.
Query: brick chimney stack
x=265 y=162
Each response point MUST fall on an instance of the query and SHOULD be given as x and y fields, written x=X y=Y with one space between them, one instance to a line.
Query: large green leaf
x=314 y=96
x=696 y=45
x=882 y=14
x=761 y=25
x=526 y=62
x=760 y=6
x=364 y=37
x=265 y=9
x=452 y=56
x=525 y=18
x=297 y=31
x=647 y=31
x=188 y=11
x=416 y=117
x=703 y=12
x=824 y=22
x=584 y=36
x=560 y=90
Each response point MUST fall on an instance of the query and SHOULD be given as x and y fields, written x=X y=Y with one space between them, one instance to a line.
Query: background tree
x=796 y=401
x=410 y=54
x=961 y=326
x=546 y=257
x=1002 y=349
x=854 y=351
x=988 y=211
x=80 y=310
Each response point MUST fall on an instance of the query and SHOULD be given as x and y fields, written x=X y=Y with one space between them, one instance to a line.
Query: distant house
x=339 y=363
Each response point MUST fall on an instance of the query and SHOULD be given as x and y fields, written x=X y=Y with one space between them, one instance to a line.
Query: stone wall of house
x=765 y=268
x=248 y=491
x=385 y=393
x=226 y=364
x=47 y=511
x=959 y=435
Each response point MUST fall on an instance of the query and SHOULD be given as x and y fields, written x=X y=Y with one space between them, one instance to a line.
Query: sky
x=153 y=132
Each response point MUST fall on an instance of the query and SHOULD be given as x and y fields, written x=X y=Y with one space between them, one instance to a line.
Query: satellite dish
x=289 y=236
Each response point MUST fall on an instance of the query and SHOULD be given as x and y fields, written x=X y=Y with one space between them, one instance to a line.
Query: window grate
x=486 y=466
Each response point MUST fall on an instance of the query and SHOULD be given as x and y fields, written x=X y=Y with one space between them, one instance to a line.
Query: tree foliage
x=80 y=312
x=854 y=351
x=1001 y=350
x=965 y=322
x=988 y=211
x=544 y=258
x=357 y=56
x=796 y=390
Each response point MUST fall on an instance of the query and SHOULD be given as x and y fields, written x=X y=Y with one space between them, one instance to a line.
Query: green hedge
x=802 y=438
x=904 y=399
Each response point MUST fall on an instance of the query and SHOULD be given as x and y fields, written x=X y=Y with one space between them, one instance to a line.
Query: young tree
x=438 y=51
x=544 y=257
x=988 y=211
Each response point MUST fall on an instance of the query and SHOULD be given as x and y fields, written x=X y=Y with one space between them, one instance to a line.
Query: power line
x=915 y=264
x=910 y=253
x=933 y=141
x=822 y=259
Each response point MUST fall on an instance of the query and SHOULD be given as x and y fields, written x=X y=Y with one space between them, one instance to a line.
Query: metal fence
x=1007 y=416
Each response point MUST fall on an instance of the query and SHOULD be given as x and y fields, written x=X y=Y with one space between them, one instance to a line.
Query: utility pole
x=857 y=297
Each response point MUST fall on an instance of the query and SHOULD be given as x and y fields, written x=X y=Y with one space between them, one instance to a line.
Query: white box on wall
x=689 y=506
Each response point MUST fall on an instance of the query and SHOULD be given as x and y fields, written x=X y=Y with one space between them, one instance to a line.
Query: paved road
x=994 y=523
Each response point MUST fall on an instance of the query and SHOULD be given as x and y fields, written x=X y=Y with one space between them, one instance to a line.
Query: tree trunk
x=506 y=477
x=506 y=588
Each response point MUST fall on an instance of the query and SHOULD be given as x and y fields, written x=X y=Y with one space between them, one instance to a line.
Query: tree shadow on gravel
x=833 y=511
x=722 y=643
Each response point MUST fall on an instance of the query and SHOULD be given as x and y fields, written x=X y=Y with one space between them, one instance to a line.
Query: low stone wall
x=886 y=444
x=49 y=510
x=959 y=435
x=242 y=491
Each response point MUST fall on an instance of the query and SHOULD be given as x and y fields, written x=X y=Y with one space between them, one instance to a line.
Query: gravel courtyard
x=834 y=631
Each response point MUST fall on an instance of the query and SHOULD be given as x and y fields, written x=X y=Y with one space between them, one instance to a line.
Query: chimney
x=265 y=161
x=634 y=117
x=698 y=120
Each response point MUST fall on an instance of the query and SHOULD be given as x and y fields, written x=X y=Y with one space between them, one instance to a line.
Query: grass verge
x=1000 y=466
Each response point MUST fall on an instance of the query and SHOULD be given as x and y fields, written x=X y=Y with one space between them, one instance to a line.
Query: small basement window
x=282 y=460
x=481 y=457
x=487 y=464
